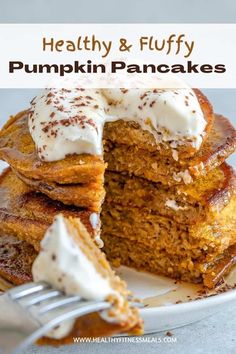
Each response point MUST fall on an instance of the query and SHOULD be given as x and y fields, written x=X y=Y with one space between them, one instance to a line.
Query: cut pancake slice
x=131 y=134
x=220 y=143
x=158 y=244
x=27 y=214
x=136 y=255
x=120 y=318
x=184 y=203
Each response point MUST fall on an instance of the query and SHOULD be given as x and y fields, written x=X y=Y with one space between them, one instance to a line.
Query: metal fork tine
x=56 y=303
x=34 y=299
x=32 y=310
x=69 y=313
x=27 y=289
x=56 y=316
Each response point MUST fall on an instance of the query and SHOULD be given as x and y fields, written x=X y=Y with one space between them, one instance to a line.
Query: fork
x=29 y=311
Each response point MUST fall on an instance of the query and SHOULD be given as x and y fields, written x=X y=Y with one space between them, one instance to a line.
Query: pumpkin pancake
x=18 y=149
x=17 y=257
x=120 y=318
x=130 y=133
x=163 y=246
x=27 y=214
x=220 y=143
x=89 y=196
x=186 y=203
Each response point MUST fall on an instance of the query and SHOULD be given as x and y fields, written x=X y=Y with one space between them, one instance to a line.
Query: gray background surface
x=121 y=11
x=213 y=335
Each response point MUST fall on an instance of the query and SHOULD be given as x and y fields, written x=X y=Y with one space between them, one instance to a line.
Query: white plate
x=160 y=295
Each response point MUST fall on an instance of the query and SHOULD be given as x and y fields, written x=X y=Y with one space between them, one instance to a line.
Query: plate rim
x=207 y=302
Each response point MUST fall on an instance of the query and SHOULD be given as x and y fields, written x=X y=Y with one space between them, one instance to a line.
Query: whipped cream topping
x=167 y=114
x=62 y=264
x=63 y=121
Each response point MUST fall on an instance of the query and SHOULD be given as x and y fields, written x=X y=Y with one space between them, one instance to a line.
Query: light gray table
x=213 y=335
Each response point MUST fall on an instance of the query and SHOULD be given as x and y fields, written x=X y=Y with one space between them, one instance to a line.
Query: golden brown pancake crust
x=89 y=196
x=18 y=149
x=27 y=214
x=206 y=109
x=220 y=143
x=222 y=267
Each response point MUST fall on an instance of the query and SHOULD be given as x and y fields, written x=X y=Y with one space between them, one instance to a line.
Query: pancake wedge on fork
x=78 y=267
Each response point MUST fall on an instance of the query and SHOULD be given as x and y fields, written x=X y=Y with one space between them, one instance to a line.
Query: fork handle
x=10 y=340
x=14 y=325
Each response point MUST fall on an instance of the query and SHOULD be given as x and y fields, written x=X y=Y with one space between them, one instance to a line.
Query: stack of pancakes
x=171 y=211
x=32 y=193
x=168 y=209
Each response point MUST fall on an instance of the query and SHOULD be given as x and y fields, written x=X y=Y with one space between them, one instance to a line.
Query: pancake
x=18 y=149
x=27 y=214
x=169 y=209
x=89 y=196
x=220 y=143
x=132 y=254
x=130 y=133
x=186 y=204
x=124 y=318
x=147 y=241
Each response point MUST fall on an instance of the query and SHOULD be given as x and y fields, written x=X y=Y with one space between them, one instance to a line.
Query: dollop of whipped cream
x=63 y=122
x=63 y=265
x=170 y=115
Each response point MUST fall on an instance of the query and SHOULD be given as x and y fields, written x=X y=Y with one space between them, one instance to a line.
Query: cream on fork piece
x=71 y=262
x=30 y=311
